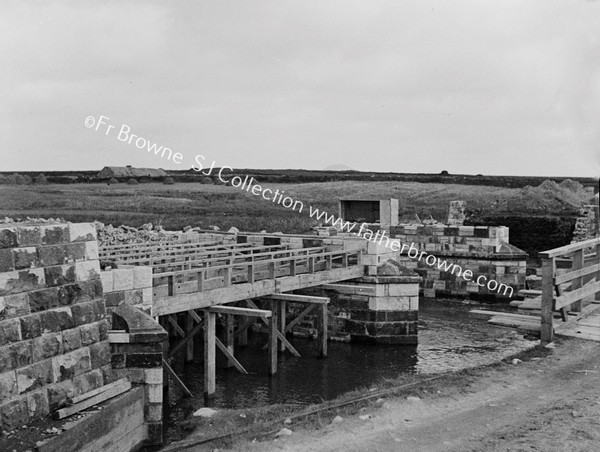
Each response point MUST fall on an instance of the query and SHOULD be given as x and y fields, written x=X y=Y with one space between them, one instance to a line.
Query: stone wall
x=485 y=250
x=587 y=225
x=128 y=284
x=53 y=326
x=456 y=213
x=445 y=240
x=445 y=284
x=137 y=345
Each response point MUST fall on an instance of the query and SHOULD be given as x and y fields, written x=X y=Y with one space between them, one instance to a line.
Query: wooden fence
x=570 y=280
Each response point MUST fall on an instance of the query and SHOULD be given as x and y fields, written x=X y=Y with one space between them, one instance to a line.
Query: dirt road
x=543 y=404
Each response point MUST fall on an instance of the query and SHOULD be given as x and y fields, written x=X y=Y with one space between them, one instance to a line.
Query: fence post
x=577 y=282
x=547 y=331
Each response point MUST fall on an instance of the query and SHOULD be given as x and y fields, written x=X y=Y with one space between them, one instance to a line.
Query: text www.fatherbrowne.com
x=250 y=185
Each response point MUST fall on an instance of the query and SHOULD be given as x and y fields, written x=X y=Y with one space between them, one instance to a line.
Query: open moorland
x=553 y=206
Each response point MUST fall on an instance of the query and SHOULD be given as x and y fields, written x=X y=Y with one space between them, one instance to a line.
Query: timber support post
x=209 y=357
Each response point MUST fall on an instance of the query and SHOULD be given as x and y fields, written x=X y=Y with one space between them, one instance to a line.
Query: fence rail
x=167 y=255
x=568 y=290
x=172 y=283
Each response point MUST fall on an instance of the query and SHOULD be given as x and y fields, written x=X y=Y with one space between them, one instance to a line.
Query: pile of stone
x=7 y=220
x=111 y=235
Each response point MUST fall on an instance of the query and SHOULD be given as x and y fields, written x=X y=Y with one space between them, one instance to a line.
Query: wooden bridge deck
x=196 y=276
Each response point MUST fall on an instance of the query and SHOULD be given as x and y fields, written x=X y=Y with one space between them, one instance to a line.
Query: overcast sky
x=498 y=87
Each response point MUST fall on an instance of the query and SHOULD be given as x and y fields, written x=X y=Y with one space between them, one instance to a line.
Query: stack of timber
x=529 y=302
x=526 y=324
x=94 y=397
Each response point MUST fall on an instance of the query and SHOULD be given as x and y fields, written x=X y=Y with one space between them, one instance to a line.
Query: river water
x=449 y=339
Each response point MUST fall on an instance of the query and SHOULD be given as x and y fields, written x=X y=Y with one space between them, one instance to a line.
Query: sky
x=470 y=87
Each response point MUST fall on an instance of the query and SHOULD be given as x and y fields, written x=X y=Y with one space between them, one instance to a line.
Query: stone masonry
x=128 y=284
x=485 y=250
x=53 y=326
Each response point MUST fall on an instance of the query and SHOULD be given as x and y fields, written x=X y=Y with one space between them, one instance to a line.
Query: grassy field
x=176 y=206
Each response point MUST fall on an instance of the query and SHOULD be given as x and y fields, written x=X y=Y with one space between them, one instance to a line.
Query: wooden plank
x=229 y=339
x=87 y=395
x=230 y=358
x=512 y=322
x=579 y=294
x=238 y=292
x=99 y=398
x=210 y=367
x=546 y=329
x=323 y=332
x=195 y=316
x=350 y=289
x=566 y=277
x=188 y=337
x=581 y=334
x=529 y=293
x=273 y=340
x=568 y=249
x=234 y=310
x=577 y=282
x=485 y=314
x=282 y=305
x=298 y=298
x=522 y=327
x=176 y=379
x=190 y=345
x=176 y=326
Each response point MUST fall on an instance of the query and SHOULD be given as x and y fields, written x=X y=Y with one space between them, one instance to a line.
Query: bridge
x=216 y=278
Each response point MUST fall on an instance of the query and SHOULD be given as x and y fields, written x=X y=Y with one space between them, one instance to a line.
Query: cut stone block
x=29 y=235
x=91 y=251
x=10 y=331
x=25 y=258
x=122 y=279
x=71 y=364
x=8 y=237
x=54 y=234
x=82 y=232
x=142 y=277
x=14 y=414
x=34 y=376
x=21 y=281
x=37 y=403
x=389 y=303
x=403 y=289
x=7 y=263
x=47 y=345
x=87 y=270
x=107 y=281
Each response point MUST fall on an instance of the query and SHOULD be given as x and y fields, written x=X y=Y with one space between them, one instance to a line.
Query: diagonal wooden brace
x=230 y=356
x=280 y=335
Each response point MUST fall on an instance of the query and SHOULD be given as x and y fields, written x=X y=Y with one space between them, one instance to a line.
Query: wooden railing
x=213 y=260
x=295 y=262
x=569 y=290
x=163 y=254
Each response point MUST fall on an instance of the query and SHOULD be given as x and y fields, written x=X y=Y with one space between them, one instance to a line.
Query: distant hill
x=296 y=176
x=338 y=167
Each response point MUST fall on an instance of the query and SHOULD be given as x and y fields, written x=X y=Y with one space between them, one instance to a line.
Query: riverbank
x=548 y=401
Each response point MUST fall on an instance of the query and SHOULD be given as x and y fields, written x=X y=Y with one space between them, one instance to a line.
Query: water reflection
x=448 y=339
